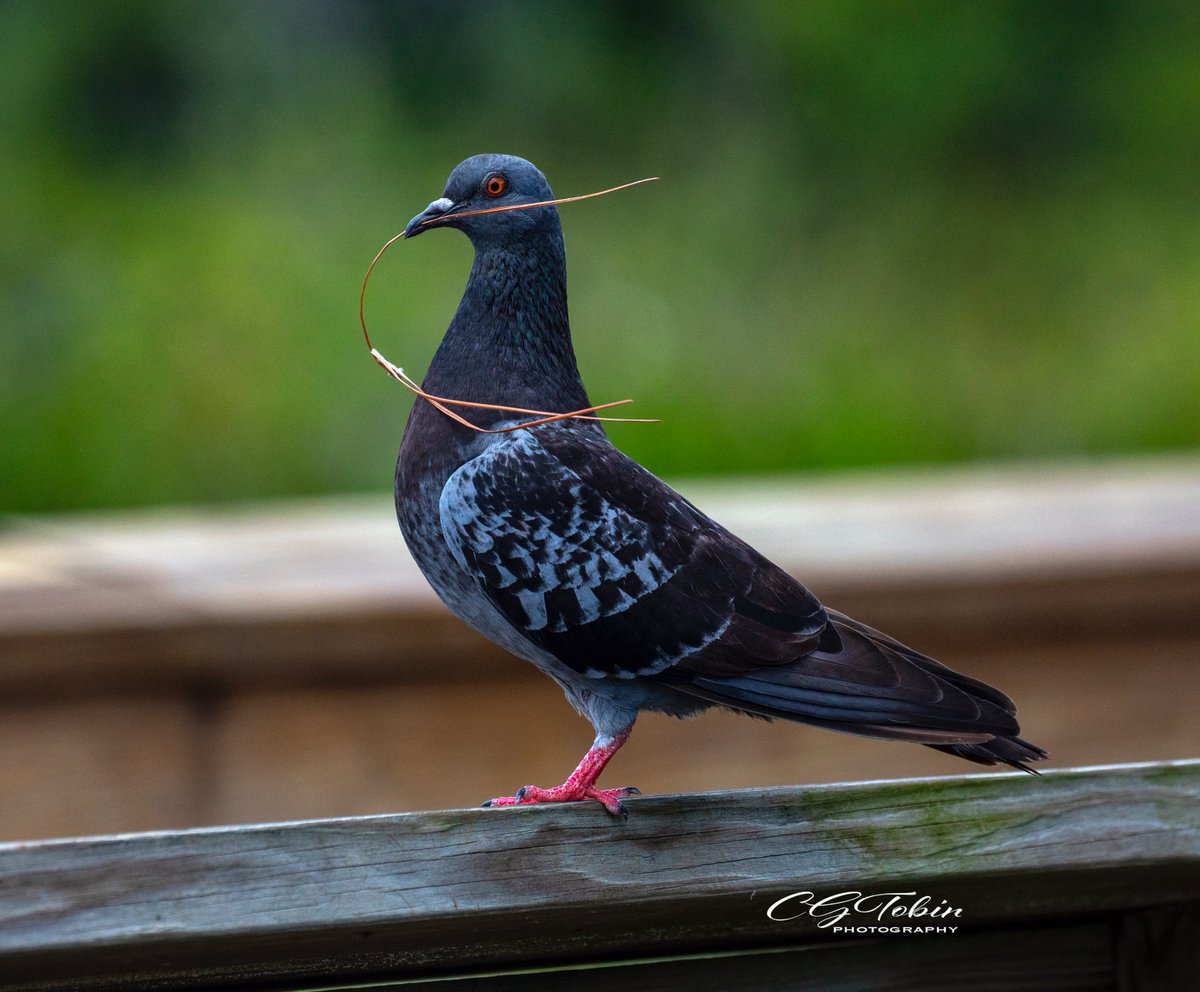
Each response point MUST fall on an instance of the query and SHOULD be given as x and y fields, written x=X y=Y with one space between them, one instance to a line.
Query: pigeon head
x=484 y=198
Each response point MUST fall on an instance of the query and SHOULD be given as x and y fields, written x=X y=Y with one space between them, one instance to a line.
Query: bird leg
x=581 y=784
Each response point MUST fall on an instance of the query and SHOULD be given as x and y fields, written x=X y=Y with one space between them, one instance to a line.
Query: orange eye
x=495 y=185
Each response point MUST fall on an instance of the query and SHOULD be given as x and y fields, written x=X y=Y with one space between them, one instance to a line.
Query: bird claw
x=620 y=808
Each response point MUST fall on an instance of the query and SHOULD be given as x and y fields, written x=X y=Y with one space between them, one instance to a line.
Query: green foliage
x=885 y=233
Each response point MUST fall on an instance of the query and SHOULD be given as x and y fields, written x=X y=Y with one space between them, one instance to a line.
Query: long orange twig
x=443 y=403
x=540 y=203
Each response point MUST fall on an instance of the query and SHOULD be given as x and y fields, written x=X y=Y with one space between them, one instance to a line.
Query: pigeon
x=552 y=543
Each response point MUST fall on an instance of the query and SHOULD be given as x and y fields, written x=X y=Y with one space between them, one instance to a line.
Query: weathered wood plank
x=168 y=597
x=455 y=891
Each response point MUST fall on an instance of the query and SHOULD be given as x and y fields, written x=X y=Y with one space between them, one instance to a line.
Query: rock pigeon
x=566 y=552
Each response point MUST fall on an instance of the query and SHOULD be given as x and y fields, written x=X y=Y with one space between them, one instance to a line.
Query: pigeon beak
x=428 y=217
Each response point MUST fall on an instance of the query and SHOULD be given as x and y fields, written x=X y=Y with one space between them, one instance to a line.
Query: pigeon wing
x=603 y=565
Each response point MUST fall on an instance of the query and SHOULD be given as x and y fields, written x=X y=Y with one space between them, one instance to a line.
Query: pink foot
x=582 y=782
x=610 y=799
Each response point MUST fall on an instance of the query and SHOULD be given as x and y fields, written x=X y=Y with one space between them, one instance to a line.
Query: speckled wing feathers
x=610 y=570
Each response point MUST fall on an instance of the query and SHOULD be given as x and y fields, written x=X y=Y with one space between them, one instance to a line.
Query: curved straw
x=441 y=402
x=540 y=203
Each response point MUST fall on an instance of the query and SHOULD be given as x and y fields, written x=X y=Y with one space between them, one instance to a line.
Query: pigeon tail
x=1012 y=751
x=871 y=685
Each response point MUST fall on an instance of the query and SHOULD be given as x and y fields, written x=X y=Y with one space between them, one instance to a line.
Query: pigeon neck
x=519 y=293
x=510 y=341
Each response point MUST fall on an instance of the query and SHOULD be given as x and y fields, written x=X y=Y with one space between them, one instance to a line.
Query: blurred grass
x=884 y=234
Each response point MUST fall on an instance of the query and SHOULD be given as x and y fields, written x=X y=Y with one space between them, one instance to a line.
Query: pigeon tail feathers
x=874 y=686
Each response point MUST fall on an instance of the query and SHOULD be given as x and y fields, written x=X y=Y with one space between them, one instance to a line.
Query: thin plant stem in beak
x=540 y=203
x=443 y=403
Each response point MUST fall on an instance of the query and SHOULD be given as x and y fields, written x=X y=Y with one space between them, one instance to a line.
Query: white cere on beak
x=443 y=204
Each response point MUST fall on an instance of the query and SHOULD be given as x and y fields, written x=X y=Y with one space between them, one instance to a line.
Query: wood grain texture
x=456 y=891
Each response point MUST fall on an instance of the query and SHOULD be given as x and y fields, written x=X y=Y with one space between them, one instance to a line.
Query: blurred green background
x=885 y=232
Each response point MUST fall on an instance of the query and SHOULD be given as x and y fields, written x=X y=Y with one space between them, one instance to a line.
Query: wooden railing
x=1080 y=879
x=179 y=668
x=185 y=668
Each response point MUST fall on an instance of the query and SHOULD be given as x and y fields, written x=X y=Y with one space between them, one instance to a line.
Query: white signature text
x=830 y=911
